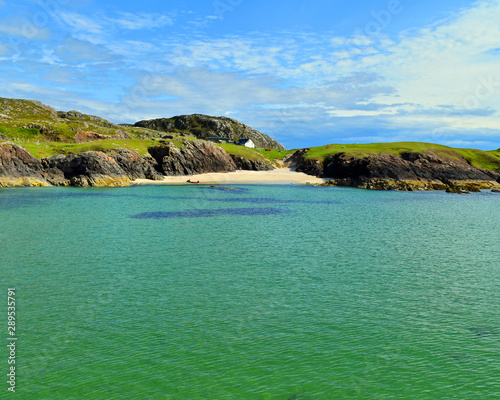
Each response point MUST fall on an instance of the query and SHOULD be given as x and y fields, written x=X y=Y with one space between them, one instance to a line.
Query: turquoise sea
x=262 y=292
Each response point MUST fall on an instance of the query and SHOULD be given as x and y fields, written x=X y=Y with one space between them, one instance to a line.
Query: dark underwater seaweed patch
x=210 y=213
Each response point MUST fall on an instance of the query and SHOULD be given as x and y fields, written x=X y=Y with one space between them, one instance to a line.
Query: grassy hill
x=31 y=121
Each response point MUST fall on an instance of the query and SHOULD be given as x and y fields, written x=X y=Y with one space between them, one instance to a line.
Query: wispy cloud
x=100 y=23
x=139 y=21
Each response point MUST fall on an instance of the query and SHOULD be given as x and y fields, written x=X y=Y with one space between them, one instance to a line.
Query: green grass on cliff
x=274 y=154
x=245 y=152
x=48 y=149
x=478 y=158
x=241 y=151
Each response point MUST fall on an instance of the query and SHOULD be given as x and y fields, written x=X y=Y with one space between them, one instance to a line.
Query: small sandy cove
x=276 y=176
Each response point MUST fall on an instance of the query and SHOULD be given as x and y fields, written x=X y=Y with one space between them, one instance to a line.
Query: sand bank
x=276 y=176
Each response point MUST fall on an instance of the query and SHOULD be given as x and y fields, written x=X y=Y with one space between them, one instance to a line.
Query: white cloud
x=448 y=63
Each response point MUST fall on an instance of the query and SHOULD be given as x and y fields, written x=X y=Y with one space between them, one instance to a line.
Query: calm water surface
x=264 y=292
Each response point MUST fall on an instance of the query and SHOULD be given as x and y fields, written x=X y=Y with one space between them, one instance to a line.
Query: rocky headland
x=409 y=171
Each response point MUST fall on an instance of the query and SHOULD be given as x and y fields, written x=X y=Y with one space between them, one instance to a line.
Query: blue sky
x=305 y=72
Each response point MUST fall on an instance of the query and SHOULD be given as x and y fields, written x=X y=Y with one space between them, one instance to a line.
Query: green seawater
x=263 y=292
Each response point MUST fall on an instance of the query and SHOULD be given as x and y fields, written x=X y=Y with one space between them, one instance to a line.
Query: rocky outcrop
x=300 y=163
x=92 y=168
x=251 y=165
x=19 y=168
x=204 y=126
x=89 y=136
x=192 y=157
x=407 y=171
x=135 y=166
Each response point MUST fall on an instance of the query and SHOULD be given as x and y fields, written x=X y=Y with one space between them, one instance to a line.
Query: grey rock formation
x=193 y=157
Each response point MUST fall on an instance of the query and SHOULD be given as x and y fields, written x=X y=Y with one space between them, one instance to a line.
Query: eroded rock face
x=193 y=157
x=408 y=171
x=204 y=126
x=19 y=168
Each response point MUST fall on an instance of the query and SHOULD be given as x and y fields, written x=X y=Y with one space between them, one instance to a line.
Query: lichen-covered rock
x=204 y=126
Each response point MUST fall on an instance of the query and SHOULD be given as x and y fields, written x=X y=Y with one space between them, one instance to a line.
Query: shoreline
x=283 y=176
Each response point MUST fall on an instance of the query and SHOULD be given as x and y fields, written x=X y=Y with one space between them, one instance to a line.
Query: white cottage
x=246 y=143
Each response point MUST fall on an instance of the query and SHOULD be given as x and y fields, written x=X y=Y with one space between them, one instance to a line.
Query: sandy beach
x=276 y=176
